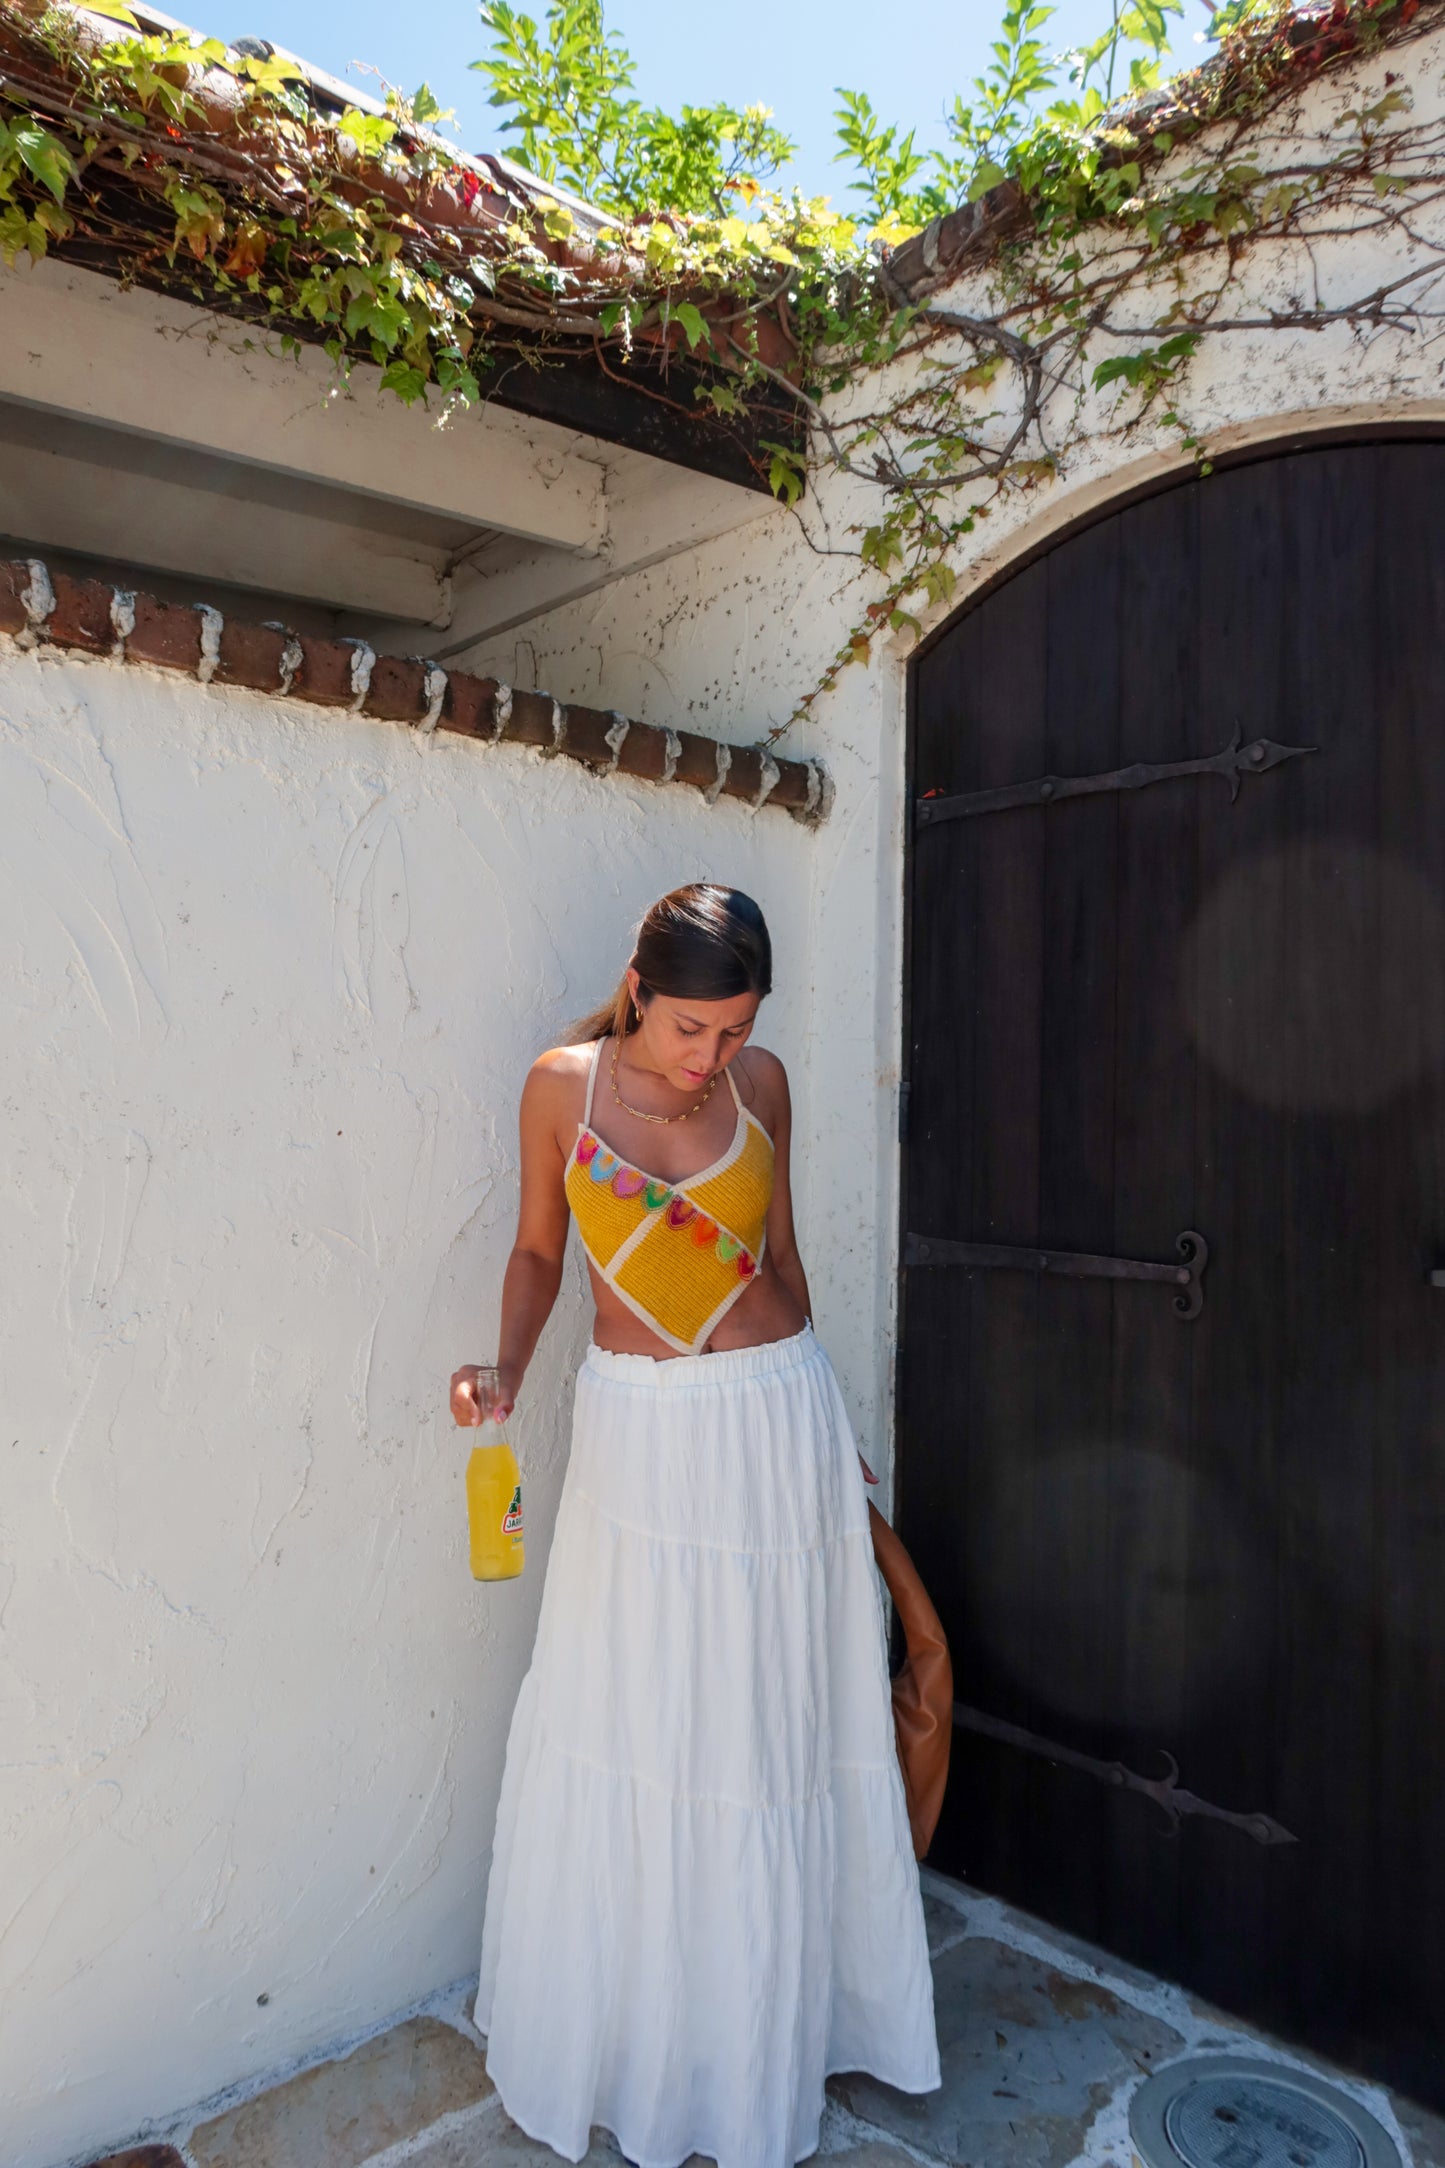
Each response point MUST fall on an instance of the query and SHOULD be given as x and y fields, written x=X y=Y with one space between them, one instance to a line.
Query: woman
x=703 y=1897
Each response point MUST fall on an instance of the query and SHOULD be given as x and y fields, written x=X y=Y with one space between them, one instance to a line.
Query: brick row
x=94 y=618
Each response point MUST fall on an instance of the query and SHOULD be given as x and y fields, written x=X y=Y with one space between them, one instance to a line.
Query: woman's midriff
x=766 y=1311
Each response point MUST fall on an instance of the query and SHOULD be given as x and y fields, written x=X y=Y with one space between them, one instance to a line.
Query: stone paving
x=1043 y=2040
x=346 y=2113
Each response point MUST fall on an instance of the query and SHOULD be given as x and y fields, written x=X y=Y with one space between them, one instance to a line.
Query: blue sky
x=788 y=54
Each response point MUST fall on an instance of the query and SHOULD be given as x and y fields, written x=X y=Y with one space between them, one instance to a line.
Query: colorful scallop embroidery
x=609 y=1171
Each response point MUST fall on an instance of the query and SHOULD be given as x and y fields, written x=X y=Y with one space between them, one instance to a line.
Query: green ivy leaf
x=16 y=234
x=690 y=317
x=988 y=175
x=458 y=381
x=54 y=220
x=785 y=472
x=370 y=132
x=405 y=379
x=45 y=155
x=1125 y=366
x=881 y=547
x=980 y=374
x=661 y=247
x=426 y=106
x=270 y=73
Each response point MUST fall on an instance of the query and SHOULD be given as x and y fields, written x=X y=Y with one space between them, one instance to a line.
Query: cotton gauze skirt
x=703 y=1897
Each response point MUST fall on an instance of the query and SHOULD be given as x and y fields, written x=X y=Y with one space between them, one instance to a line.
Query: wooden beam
x=648 y=409
x=52 y=499
x=76 y=342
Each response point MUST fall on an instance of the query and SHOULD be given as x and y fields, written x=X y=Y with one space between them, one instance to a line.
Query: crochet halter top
x=677 y=1253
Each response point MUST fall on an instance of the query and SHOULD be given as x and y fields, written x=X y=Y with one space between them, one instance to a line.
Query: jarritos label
x=512 y=1518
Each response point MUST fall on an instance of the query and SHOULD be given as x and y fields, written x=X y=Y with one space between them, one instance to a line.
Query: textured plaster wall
x=271 y=979
x=729 y=635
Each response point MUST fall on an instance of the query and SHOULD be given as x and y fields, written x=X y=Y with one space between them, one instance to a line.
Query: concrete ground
x=1043 y=2041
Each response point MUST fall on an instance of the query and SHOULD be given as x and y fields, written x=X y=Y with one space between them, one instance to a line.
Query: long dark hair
x=700 y=943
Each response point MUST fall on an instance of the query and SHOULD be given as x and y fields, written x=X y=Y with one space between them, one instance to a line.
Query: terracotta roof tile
x=92 y=618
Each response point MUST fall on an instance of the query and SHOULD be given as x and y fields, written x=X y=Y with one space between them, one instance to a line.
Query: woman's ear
x=634 y=981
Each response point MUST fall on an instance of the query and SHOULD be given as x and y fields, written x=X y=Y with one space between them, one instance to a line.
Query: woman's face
x=689 y=1041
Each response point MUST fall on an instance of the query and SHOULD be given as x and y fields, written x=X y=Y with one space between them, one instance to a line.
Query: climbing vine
x=1100 y=220
x=1119 y=250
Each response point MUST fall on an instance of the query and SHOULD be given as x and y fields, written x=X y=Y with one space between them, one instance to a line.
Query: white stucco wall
x=272 y=977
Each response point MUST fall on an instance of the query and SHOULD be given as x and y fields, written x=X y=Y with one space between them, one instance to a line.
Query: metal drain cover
x=1222 y=2121
x=1233 y=2111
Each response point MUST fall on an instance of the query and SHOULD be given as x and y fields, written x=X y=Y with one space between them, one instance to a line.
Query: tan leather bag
x=923 y=1689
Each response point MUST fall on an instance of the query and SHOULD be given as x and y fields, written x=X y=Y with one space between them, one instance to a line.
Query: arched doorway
x=1204 y=994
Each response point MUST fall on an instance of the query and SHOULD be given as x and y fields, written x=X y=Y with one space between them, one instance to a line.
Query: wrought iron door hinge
x=1188 y=1278
x=1237 y=759
x=1166 y=1791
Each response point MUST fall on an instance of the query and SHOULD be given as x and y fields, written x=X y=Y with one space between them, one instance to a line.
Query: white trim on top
x=684 y=1182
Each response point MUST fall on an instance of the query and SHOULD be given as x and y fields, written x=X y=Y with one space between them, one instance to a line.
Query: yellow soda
x=494 y=1512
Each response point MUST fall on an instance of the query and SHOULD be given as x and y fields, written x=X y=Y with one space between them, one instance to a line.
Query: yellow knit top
x=677 y=1253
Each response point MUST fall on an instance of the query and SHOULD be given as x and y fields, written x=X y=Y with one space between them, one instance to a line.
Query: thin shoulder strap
x=592 y=1083
x=746 y=1114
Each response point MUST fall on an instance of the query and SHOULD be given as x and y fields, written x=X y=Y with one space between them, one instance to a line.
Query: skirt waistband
x=722 y=1367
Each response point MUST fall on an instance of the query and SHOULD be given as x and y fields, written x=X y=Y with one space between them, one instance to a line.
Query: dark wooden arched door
x=1207 y=1002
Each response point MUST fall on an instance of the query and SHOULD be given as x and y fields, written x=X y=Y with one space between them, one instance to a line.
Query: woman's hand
x=478 y=1393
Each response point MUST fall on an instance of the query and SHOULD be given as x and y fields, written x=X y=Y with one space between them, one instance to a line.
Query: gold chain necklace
x=643 y=1117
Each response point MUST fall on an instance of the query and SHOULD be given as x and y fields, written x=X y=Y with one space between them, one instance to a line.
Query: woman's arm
x=534 y=1269
x=782 y=1238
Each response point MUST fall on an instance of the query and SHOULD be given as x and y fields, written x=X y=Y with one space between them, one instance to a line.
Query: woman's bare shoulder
x=557 y=1080
x=565 y=1061
x=762 y=1082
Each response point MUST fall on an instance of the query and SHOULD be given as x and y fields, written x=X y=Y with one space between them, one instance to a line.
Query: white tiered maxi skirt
x=703 y=1897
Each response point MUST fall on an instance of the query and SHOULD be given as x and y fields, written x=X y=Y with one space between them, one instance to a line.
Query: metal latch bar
x=1186 y=1278
x=1166 y=1791
x=1235 y=760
